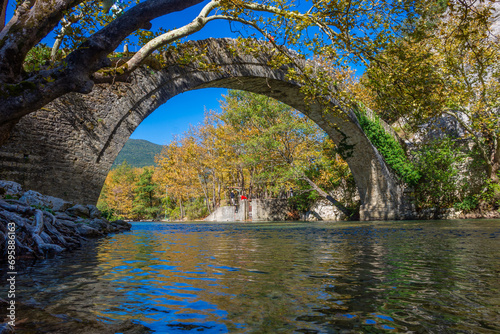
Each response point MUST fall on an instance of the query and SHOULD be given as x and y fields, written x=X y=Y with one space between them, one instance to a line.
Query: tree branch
x=74 y=74
x=3 y=12
x=327 y=196
x=31 y=22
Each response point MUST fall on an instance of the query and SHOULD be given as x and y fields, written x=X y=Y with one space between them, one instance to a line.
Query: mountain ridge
x=138 y=153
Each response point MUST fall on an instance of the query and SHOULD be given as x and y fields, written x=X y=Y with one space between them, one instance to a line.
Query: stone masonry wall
x=269 y=209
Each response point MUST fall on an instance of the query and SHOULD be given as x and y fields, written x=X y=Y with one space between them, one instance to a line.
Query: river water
x=408 y=277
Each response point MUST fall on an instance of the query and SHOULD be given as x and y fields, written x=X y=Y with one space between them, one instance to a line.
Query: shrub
x=468 y=204
x=390 y=148
x=437 y=163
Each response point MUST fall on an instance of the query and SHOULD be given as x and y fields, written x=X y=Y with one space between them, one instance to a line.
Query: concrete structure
x=229 y=213
x=66 y=149
x=255 y=210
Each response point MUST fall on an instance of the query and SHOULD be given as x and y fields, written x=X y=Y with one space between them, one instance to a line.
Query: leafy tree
x=117 y=195
x=175 y=172
x=196 y=209
x=285 y=144
x=146 y=203
x=339 y=30
x=131 y=193
x=448 y=67
x=439 y=186
x=257 y=146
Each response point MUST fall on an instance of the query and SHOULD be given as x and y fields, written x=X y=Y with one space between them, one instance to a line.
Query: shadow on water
x=418 y=277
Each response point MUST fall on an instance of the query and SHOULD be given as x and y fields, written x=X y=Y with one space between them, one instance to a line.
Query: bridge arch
x=67 y=148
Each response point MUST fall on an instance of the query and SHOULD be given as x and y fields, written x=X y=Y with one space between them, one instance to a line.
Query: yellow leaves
x=118 y=190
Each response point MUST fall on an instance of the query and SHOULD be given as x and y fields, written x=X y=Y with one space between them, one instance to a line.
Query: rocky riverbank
x=41 y=226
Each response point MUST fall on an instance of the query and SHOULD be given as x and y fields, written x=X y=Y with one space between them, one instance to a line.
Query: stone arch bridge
x=66 y=149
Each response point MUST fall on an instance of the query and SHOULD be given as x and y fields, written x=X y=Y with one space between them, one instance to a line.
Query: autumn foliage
x=256 y=147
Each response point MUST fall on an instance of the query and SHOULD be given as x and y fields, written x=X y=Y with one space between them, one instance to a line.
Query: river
x=408 y=277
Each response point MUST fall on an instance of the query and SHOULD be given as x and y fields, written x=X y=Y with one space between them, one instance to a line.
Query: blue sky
x=175 y=116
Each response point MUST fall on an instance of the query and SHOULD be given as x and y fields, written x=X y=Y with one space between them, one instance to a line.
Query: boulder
x=79 y=211
x=87 y=231
x=35 y=198
x=32 y=197
x=10 y=188
x=94 y=211
x=58 y=204
x=324 y=210
x=121 y=225
x=100 y=225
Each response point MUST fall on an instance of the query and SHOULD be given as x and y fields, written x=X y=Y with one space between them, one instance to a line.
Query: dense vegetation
x=442 y=74
x=137 y=153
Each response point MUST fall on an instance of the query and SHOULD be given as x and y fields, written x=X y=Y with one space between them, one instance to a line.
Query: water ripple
x=412 y=277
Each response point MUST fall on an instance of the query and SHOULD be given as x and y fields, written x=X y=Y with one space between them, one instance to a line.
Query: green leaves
x=438 y=163
x=392 y=151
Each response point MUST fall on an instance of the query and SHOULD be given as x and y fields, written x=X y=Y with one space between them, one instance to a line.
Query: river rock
x=64 y=216
x=100 y=225
x=324 y=210
x=68 y=223
x=58 y=204
x=79 y=211
x=94 y=211
x=10 y=188
x=32 y=197
x=121 y=225
x=87 y=231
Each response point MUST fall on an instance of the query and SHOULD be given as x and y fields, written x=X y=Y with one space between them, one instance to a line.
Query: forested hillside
x=138 y=153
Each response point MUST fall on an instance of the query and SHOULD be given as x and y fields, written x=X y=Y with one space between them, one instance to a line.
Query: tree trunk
x=327 y=196
x=219 y=189
x=3 y=12
x=495 y=167
x=494 y=171
x=495 y=164
x=181 y=213
x=242 y=180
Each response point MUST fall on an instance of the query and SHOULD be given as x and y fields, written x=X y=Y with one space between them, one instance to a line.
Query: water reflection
x=281 y=278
